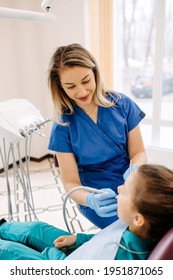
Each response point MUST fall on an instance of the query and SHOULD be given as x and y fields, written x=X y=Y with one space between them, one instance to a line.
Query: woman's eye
x=71 y=87
x=85 y=82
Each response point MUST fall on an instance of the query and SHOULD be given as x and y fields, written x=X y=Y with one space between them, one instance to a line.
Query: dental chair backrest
x=164 y=249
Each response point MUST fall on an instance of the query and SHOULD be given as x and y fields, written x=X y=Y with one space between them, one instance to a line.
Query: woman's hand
x=104 y=204
x=65 y=242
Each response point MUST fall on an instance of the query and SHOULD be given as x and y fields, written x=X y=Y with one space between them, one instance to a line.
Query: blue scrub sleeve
x=132 y=111
x=60 y=139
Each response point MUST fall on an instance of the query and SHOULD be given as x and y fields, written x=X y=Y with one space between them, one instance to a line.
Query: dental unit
x=19 y=120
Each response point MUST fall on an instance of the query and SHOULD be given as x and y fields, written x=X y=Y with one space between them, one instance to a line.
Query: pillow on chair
x=164 y=249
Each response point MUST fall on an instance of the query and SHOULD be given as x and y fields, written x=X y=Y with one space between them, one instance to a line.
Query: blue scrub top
x=100 y=148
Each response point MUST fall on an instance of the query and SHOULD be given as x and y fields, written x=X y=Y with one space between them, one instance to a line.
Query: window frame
x=155 y=121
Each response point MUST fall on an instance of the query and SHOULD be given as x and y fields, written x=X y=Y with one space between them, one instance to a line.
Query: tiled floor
x=46 y=198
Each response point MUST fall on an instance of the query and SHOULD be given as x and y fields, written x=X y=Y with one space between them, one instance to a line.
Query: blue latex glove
x=129 y=170
x=104 y=204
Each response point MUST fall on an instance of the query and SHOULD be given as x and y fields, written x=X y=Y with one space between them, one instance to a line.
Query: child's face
x=126 y=192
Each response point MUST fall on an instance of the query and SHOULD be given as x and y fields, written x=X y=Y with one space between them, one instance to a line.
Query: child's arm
x=68 y=242
x=65 y=242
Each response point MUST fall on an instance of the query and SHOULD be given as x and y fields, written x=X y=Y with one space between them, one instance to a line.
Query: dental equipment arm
x=18 y=14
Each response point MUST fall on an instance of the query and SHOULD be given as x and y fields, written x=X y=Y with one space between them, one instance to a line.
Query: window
x=143 y=63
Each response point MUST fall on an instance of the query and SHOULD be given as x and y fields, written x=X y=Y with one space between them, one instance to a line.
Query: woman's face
x=126 y=192
x=79 y=84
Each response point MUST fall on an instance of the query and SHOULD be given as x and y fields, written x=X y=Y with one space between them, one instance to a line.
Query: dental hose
x=93 y=190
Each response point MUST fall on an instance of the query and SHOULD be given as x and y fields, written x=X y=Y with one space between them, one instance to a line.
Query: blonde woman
x=95 y=135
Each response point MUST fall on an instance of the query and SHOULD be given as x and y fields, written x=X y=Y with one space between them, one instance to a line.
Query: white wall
x=161 y=156
x=25 y=51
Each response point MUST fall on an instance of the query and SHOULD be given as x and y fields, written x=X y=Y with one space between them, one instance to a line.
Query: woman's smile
x=83 y=98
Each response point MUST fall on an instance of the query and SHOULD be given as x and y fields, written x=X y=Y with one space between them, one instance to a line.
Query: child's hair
x=154 y=198
x=70 y=56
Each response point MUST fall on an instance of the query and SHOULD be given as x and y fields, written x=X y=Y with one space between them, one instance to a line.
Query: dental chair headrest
x=164 y=249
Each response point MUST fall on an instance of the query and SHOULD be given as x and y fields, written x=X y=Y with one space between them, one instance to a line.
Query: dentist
x=95 y=135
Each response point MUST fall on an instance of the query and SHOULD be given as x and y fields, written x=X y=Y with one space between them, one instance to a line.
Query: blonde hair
x=70 y=56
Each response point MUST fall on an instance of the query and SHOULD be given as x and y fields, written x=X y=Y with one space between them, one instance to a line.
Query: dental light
x=47 y=4
x=47 y=16
x=19 y=120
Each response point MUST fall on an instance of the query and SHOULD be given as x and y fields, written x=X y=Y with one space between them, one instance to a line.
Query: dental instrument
x=89 y=189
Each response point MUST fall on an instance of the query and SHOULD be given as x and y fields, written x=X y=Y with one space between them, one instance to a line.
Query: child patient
x=145 y=211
